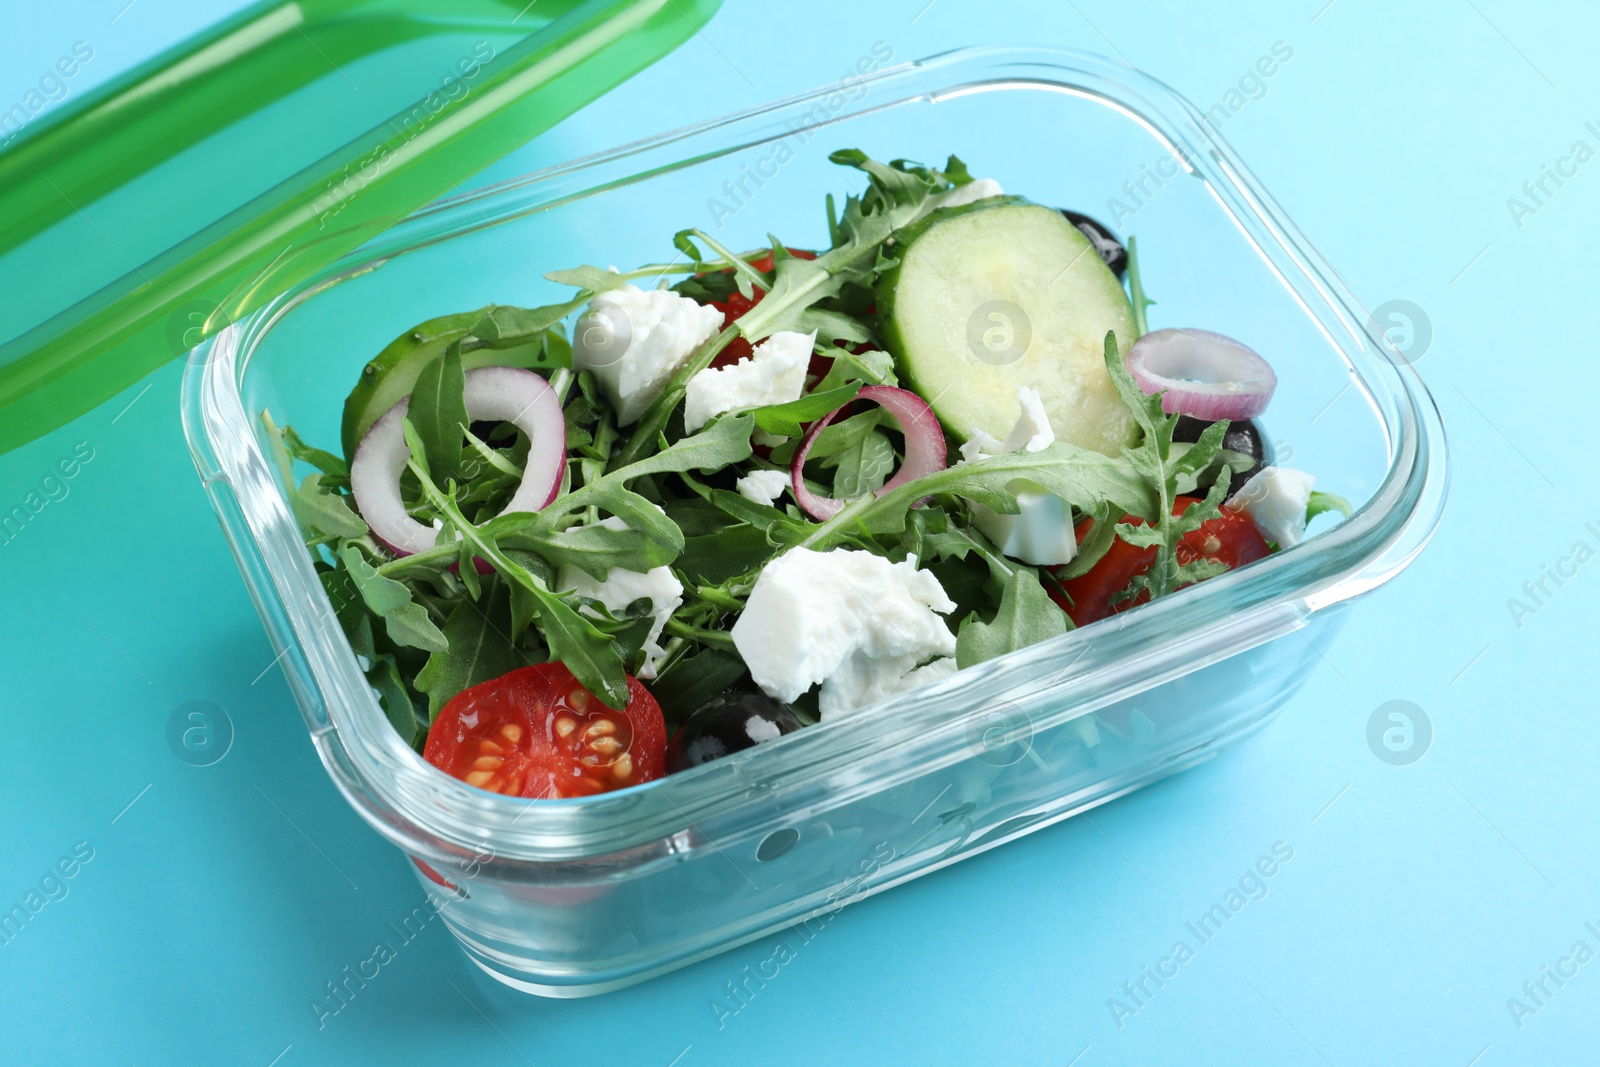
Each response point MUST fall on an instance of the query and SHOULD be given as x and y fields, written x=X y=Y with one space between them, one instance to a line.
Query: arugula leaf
x=438 y=412
x=410 y=625
x=832 y=326
x=687 y=684
x=862 y=468
x=1026 y=616
x=1154 y=460
x=723 y=443
x=778 y=527
x=326 y=462
x=279 y=452
x=502 y=326
x=394 y=697
x=587 y=651
x=325 y=511
x=1136 y=290
x=787 y=420
x=405 y=620
x=596 y=549
x=707 y=287
x=347 y=608
x=1094 y=546
x=712 y=559
x=1082 y=478
x=835 y=437
x=480 y=648
x=382 y=595
x=894 y=200
x=872 y=367
x=592 y=280
x=1321 y=502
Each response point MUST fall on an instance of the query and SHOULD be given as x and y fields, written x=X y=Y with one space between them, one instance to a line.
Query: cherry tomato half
x=537 y=733
x=1230 y=539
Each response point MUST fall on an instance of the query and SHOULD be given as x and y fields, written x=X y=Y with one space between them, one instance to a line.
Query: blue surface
x=1419 y=898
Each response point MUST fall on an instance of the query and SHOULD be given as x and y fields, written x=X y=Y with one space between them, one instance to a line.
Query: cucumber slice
x=392 y=374
x=1004 y=293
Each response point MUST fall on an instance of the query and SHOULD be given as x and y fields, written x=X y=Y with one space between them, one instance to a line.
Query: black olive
x=727 y=724
x=1243 y=436
x=1105 y=242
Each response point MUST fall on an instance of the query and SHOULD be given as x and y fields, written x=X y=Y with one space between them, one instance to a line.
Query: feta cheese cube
x=1276 y=499
x=862 y=680
x=775 y=373
x=961 y=195
x=622 y=588
x=763 y=487
x=1041 y=534
x=850 y=620
x=633 y=340
x=1031 y=431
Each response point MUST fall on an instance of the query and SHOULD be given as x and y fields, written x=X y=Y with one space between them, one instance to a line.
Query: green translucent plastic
x=323 y=121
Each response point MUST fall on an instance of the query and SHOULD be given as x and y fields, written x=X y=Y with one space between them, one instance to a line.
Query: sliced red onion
x=1202 y=374
x=925 y=451
x=493 y=394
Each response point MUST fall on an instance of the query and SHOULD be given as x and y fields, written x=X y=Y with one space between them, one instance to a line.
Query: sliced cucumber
x=1005 y=293
x=392 y=374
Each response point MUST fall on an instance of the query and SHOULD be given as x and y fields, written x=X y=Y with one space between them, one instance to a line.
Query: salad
x=747 y=491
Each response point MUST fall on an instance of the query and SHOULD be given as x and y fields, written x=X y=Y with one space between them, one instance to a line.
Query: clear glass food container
x=575 y=897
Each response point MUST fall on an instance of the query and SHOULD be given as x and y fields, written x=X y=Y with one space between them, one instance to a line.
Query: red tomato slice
x=1231 y=539
x=537 y=733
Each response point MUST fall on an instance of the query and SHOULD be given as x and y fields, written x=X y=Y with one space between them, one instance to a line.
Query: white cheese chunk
x=1276 y=499
x=850 y=620
x=763 y=487
x=1031 y=431
x=633 y=340
x=1041 y=534
x=961 y=195
x=775 y=373
x=622 y=588
x=863 y=680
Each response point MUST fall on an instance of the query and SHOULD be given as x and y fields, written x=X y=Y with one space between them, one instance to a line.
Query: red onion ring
x=925 y=449
x=498 y=394
x=1202 y=374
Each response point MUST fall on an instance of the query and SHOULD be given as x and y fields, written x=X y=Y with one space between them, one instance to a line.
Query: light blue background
x=1418 y=900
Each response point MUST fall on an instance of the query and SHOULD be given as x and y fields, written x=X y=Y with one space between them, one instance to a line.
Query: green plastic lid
x=156 y=209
